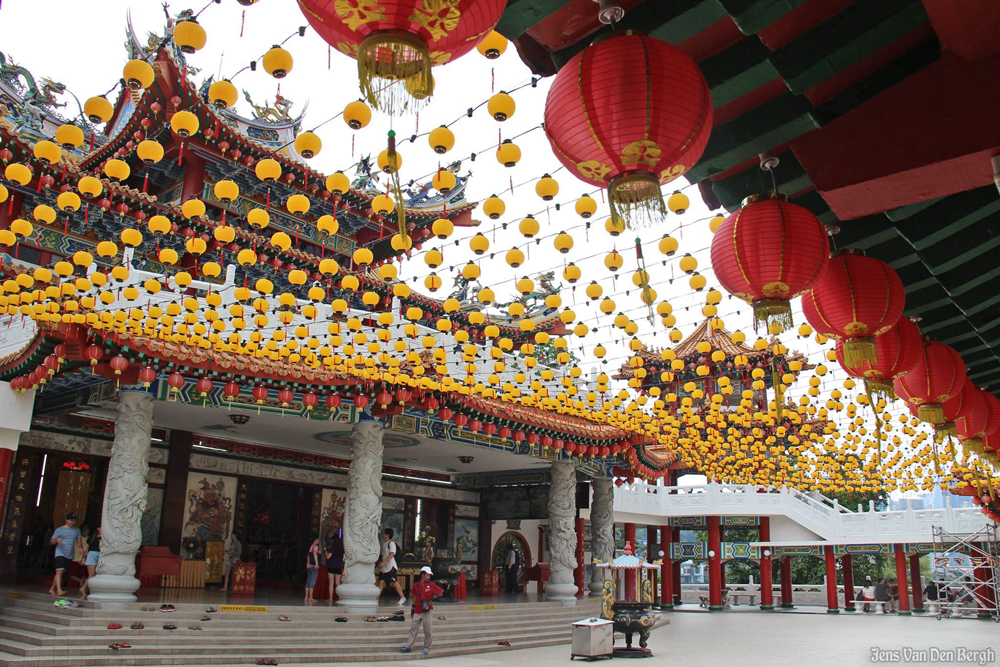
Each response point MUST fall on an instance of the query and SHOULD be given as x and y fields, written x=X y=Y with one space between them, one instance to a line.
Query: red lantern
x=51 y=364
x=558 y=443
x=768 y=253
x=146 y=376
x=431 y=404
x=504 y=432
x=532 y=438
x=937 y=376
x=397 y=41
x=475 y=425
x=175 y=381
x=286 y=397
x=489 y=429
x=360 y=401
x=231 y=390
x=332 y=401
x=403 y=395
x=629 y=113
x=952 y=409
x=260 y=394
x=445 y=413
x=546 y=441
x=310 y=399
x=856 y=299
x=203 y=385
x=460 y=420
x=61 y=351
x=118 y=363
x=897 y=350
x=982 y=417
x=93 y=353
x=570 y=447
x=518 y=435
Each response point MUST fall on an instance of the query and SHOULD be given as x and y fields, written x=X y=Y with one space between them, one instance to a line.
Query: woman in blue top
x=64 y=538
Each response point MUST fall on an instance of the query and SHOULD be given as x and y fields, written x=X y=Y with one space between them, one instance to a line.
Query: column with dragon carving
x=362 y=516
x=602 y=527
x=562 y=532
x=124 y=500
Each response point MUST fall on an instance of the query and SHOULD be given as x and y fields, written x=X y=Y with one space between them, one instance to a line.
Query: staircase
x=34 y=633
x=819 y=516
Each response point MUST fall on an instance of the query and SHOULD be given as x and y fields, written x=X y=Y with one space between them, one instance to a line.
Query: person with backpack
x=511 y=567
x=387 y=566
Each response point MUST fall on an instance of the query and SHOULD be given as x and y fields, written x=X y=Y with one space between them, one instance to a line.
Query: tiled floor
x=766 y=640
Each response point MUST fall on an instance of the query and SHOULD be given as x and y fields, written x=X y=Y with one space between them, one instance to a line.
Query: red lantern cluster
x=897 y=351
x=769 y=252
x=629 y=113
x=856 y=299
x=938 y=376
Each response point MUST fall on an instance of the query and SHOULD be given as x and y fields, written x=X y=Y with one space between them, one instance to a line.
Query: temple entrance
x=511 y=540
x=277 y=523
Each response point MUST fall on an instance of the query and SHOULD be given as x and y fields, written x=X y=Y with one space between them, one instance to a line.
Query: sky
x=83 y=47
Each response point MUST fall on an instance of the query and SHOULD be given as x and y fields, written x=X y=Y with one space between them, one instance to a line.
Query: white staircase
x=815 y=517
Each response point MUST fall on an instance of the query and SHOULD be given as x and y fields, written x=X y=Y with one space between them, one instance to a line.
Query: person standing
x=423 y=592
x=387 y=566
x=334 y=562
x=511 y=567
x=312 y=569
x=64 y=538
x=93 y=555
x=230 y=558
x=931 y=593
x=882 y=594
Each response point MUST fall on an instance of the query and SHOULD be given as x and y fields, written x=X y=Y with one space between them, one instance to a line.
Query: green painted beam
x=752 y=16
x=904 y=212
x=967 y=285
x=943 y=323
x=522 y=14
x=771 y=124
x=972 y=253
x=738 y=70
x=789 y=176
x=845 y=40
x=957 y=225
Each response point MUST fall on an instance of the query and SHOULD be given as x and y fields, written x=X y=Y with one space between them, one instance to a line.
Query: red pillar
x=766 y=585
x=916 y=583
x=714 y=564
x=847 y=565
x=6 y=462
x=677 y=571
x=904 y=597
x=541 y=559
x=630 y=574
x=578 y=571
x=831 y=581
x=666 y=570
x=786 y=583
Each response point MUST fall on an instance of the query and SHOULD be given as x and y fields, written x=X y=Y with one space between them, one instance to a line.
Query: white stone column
x=124 y=501
x=362 y=517
x=562 y=532
x=602 y=528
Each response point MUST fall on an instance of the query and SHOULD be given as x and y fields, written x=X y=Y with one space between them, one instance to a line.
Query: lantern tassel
x=395 y=58
x=636 y=200
x=860 y=350
x=931 y=412
x=768 y=311
x=881 y=388
x=941 y=431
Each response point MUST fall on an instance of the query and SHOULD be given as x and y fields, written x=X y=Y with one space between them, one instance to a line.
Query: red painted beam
x=930 y=136
x=968 y=28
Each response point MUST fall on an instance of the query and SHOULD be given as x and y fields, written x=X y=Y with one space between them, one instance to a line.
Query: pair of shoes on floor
x=169 y=627
x=194 y=627
x=267 y=661
x=138 y=626
x=284 y=618
x=67 y=604
x=211 y=610
x=114 y=626
x=442 y=618
x=167 y=607
x=115 y=647
x=148 y=608
x=206 y=618
x=341 y=619
x=503 y=642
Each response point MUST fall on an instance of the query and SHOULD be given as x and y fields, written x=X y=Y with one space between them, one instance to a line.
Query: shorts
x=335 y=569
x=311 y=575
x=388 y=577
x=93 y=557
x=62 y=563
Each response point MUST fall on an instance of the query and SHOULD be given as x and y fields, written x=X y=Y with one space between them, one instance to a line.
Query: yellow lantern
x=547 y=188
x=338 y=183
x=613 y=261
x=494 y=207
x=594 y=291
x=357 y=114
x=572 y=273
x=67 y=201
x=514 y=257
x=528 y=227
x=98 y=109
x=444 y=181
x=226 y=191
x=363 y=257
x=433 y=258
x=479 y=244
x=69 y=136
x=17 y=173
x=442 y=228
x=501 y=106
x=508 y=154
x=21 y=228
x=297 y=204
x=45 y=214
x=697 y=282
x=433 y=282
x=716 y=222
x=117 y=170
x=383 y=204
x=89 y=187
x=400 y=244
x=586 y=206
x=387 y=272
x=563 y=242
x=441 y=139
x=668 y=245
x=196 y=246
x=189 y=36
x=168 y=256
x=390 y=164
x=268 y=170
x=222 y=94
x=486 y=297
x=614 y=225
x=493 y=45
x=184 y=124
x=308 y=144
x=471 y=271
x=131 y=237
x=159 y=225
x=678 y=202
x=278 y=62
x=246 y=257
x=224 y=234
x=149 y=151
x=328 y=267
x=281 y=241
x=138 y=74
x=47 y=152
x=328 y=225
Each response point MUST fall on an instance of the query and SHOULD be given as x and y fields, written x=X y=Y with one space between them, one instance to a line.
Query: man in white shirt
x=387 y=566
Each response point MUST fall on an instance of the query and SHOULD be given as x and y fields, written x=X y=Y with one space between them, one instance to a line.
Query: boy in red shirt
x=422 y=593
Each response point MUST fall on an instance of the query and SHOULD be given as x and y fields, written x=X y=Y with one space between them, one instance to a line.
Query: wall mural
x=150 y=521
x=331 y=518
x=467 y=539
x=209 y=514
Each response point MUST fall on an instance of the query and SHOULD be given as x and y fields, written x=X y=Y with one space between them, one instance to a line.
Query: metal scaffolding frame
x=966 y=567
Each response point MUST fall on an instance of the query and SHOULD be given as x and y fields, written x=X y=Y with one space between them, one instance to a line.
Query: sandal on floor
x=503 y=642
x=284 y=618
x=371 y=619
x=206 y=618
x=211 y=610
x=138 y=626
x=114 y=647
x=114 y=626
x=194 y=627
x=124 y=645
x=267 y=661
x=341 y=619
x=442 y=618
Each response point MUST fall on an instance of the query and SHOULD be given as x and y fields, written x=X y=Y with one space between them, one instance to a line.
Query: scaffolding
x=966 y=568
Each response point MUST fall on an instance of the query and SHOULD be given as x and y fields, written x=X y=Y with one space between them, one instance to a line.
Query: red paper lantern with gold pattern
x=982 y=417
x=951 y=409
x=768 y=253
x=856 y=299
x=897 y=351
x=938 y=376
x=398 y=41
x=629 y=113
